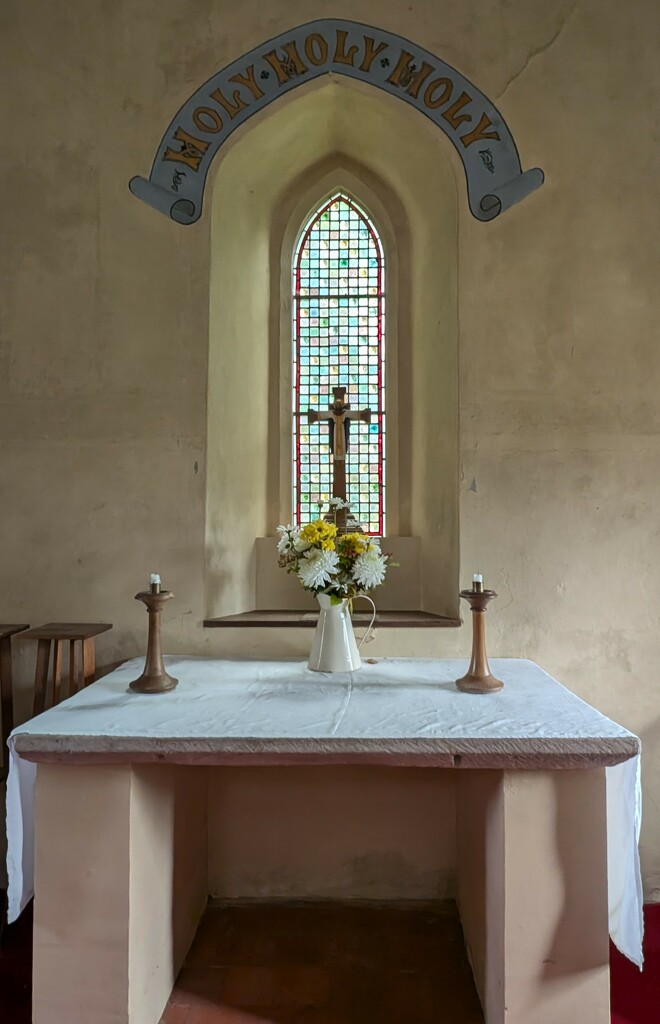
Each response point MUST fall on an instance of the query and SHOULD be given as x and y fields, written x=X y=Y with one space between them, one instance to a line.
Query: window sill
x=283 y=619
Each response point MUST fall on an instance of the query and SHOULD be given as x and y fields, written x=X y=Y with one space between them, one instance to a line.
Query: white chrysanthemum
x=338 y=503
x=300 y=545
x=287 y=538
x=317 y=568
x=369 y=569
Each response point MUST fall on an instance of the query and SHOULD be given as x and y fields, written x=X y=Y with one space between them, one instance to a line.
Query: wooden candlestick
x=479 y=678
x=154 y=679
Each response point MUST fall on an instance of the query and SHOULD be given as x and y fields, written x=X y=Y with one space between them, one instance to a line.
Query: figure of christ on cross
x=338 y=417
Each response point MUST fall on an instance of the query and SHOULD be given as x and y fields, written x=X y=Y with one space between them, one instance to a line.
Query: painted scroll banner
x=495 y=179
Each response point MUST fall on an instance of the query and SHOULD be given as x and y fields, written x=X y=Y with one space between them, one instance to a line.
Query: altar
x=115 y=785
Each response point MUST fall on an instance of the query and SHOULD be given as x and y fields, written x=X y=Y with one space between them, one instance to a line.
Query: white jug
x=334 y=648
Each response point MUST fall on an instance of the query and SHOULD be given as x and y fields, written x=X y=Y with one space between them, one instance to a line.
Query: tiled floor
x=326 y=963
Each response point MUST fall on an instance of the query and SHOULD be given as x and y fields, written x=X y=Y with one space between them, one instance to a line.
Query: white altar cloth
x=396 y=711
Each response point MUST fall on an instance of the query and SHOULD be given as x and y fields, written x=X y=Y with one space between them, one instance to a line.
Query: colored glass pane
x=339 y=340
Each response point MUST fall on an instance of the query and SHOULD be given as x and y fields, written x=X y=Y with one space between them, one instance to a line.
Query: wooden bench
x=82 y=658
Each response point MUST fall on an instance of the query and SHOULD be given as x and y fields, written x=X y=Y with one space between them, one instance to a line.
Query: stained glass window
x=338 y=340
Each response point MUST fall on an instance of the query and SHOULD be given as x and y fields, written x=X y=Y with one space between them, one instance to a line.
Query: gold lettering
x=232 y=106
x=417 y=79
x=432 y=101
x=451 y=114
x=407 y=76
x=285 y=69
x=191 y=152
x=402 y=65
x=341 y=55
x=248 y=81
x=371 y=52
x=316 y=49
x=207 y=112
x=480 y=132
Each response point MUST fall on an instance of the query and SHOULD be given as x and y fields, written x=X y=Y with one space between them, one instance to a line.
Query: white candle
x=477 y=577
x=154 y=578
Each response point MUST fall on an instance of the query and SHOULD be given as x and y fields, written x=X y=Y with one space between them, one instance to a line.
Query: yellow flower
x=319 y=532
x=351 y=545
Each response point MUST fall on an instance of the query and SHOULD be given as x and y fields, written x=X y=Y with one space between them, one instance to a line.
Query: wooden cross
x=339 y=416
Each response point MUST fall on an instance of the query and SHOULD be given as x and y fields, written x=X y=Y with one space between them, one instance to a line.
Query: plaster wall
x=105 y=338
x=339 y=832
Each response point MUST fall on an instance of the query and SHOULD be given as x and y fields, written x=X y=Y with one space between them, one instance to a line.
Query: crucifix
x=339 y=417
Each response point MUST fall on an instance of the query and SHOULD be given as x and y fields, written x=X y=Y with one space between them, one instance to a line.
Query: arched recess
x=331 y=134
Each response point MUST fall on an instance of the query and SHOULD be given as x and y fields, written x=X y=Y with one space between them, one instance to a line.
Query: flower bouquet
x=342 y=566
x=336 y=568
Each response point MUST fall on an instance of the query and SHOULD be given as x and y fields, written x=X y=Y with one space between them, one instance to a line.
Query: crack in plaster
x=539 y=51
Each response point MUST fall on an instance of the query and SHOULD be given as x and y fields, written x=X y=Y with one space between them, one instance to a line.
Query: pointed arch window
x=339 y=340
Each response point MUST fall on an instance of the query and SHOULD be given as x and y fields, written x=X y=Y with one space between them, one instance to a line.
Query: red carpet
x=635 y=995
x=16 y=968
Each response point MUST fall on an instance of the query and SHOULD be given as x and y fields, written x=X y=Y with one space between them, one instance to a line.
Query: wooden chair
x=6 y=687
x=82 y=658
